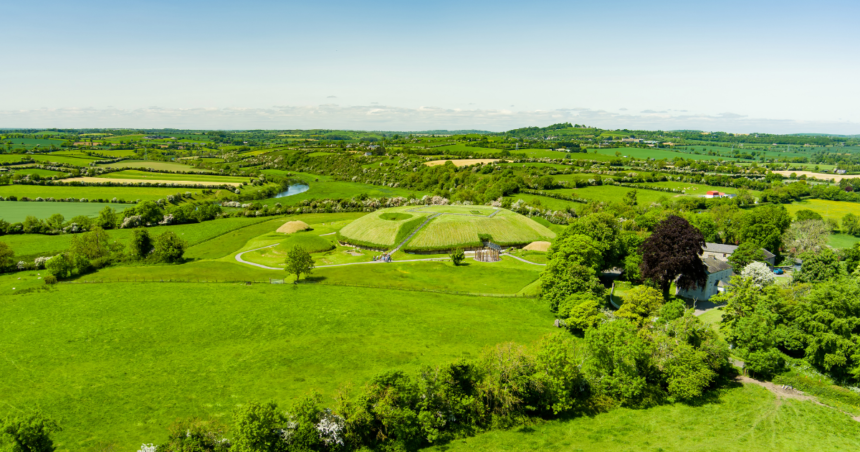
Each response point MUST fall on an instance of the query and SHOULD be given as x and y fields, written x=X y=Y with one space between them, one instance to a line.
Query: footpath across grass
x=117 y=363
x=744 y=418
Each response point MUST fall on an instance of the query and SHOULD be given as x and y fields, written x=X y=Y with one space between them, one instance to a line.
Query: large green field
x=612 y=193
x=127 y=193
x=33 y=245
x=32 y=143
x=36 y=171
x=15 y=212
x=158 y=166
x=81 y=160
x=146 y=175
x=118 y=362
x=741 y=418
x=827 y=209
x=655 y=153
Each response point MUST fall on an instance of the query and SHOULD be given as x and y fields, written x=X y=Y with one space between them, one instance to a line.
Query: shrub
x=50 y=279
x=29 y=433
x=60 y=266
x=458 y=256
x=169 y=247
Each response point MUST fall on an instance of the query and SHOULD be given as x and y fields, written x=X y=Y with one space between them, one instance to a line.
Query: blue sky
x=738 y=66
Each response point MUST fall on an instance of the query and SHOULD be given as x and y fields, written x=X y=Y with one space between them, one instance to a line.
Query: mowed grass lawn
x=117 y=363
x=15 y=212
x=827 y=209
x=129 y=193
x=742 y=418
x=842 y=240
x=146 y=175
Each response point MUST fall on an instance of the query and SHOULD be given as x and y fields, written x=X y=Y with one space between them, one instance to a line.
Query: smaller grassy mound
x=310 y=243
x=293 y=226
x=537 y=246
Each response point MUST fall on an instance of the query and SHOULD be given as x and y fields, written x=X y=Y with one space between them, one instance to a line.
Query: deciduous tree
x=6 y=255
x=808 y=236
x=674 y=251
x=299 y=262
x=169 y=247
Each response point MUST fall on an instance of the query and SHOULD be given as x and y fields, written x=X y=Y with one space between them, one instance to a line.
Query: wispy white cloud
x=382 y=117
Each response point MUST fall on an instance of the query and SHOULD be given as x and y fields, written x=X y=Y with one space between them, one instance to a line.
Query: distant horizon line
x=405 y=119
x=429 y=132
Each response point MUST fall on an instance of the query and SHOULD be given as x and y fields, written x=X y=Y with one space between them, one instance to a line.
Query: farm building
x=719 y=273
x=722 y=252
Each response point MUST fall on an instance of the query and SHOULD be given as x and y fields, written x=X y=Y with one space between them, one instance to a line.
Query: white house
x=719 y=273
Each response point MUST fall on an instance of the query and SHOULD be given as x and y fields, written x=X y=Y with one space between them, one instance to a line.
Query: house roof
x=715 y=265
x=729 y=249
x=720 y=248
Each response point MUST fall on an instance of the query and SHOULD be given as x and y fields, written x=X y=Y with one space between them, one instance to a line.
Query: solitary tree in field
x=299 y=262
x=674 y=251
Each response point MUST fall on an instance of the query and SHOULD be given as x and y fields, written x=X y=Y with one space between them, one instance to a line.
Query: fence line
x=281 y=281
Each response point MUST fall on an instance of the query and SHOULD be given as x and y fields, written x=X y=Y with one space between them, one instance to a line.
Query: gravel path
x=523 y=260
x=414 y=232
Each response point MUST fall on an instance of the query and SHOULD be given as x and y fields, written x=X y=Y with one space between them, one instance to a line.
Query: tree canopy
x=674 y=251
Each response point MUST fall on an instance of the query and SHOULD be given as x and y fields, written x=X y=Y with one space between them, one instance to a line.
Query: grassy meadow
x=127 y=193
x=34 y=245
x=120 y=361
x=43 y=173
x=827 y=209
x=612 y=193
x=155 y=165
x=146 y=175
x=739 y=418
x=17 y=211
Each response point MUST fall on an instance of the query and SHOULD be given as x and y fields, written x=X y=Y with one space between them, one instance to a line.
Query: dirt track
x=789 y=393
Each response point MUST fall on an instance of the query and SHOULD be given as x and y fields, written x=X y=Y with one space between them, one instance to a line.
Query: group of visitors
x=382 y=258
